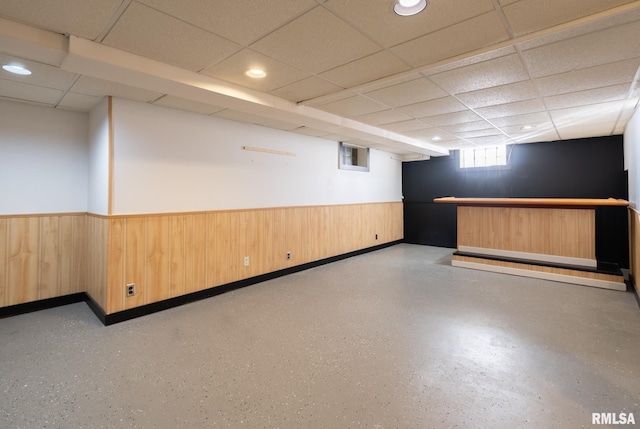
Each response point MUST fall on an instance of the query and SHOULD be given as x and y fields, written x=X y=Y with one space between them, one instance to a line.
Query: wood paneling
x=41 y=256
x=45 y=256
x=96 y=248
x=634 y=245
x=174 y=254
x=561 y=232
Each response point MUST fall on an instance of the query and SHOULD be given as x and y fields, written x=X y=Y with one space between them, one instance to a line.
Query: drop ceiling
x=460 y=74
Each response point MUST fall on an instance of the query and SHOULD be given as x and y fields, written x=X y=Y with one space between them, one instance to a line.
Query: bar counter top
x=535 y=202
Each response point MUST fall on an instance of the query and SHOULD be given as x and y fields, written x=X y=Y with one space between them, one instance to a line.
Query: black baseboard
x=42 y=304
x=121 y=316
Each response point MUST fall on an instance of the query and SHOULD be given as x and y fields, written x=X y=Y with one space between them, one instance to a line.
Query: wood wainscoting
x=634 y=248
x=42 y=256
x=171 y=255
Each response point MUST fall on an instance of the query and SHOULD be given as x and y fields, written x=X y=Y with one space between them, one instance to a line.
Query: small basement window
x=353 y=157
x=483 y=157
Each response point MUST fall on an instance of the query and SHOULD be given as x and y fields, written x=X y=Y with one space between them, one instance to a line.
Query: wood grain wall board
x=116 y=286
x=634 y=245
x=48 y=278
x=23 y=260
x=255 y=243
x=4 y=261
x=195 y=252
x=157 y=259
x=66 y=284
x=79 y=263
x=177 y=256
x=223 y=258
x=135 y=260
x=96 y=246
x=274 y=244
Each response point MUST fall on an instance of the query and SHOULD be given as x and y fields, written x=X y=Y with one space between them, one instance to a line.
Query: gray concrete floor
x=392 y=339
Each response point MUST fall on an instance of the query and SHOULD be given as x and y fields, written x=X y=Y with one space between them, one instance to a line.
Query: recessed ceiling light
x=256 y=73
x=436 y=138
x=409 y=7
x=527 y=127
x=16 y=69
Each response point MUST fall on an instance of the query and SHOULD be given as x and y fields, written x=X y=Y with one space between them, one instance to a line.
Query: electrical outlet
x=376 y=236
x=246 y=261
x=131 y=289
x=288 y=256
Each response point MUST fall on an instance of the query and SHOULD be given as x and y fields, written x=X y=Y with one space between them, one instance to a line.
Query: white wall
x=632 y=157
x=98 y=171
x=167 y=160
x=43 y=159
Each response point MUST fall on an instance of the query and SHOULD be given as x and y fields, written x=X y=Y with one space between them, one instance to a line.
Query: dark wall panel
x=581 y=168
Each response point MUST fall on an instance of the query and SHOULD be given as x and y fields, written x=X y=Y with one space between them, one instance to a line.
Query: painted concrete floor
x=392 y=339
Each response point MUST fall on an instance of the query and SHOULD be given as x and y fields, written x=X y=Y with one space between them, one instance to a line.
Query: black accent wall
x=580 y=168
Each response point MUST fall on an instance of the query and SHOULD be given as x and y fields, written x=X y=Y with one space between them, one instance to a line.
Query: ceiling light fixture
x=256 y=73
x=16 y=69
x=409 y=7
x=436 y=138
x=527 y=127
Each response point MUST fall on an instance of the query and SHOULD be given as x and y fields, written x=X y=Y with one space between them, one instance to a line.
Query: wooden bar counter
x=548 y=238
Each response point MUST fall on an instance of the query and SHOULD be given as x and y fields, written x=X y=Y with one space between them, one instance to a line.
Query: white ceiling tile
x=234 y=115
x=452 y=118
x=367 y=69
x=476 y=33
x=495 y=140
x=480 y=133
x=389 y=29
x=241 y=21
x=41 y=74
x=528 y=16
x=593 y=129
x=188 y=105
x=468 y=126
x=233 y=70
x=591 y=96
x=310 y=132
x=589 y=50
x=469 y=60
x=83 y=18
x=407 y=93
x=81 y=102
x=306 y=89
x=520 y=91
x=512 y=109
x=317 y=41
x=589 y=78
x=603 y=112
x=101 y=88
x=428 y=135
x=353 y=106
x=527 y=119
x=384 y=117
x=153 y=34
x=499 y=71
x=545 y=135
x=410 y=125
x=536 y=129
x=433 y=107
x=23 y=91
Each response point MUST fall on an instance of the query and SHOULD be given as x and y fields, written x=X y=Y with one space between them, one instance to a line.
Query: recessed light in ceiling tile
x=16 y=69
x=526 y=127
x=436 y=138
x=256 y=73
x=409 y=7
